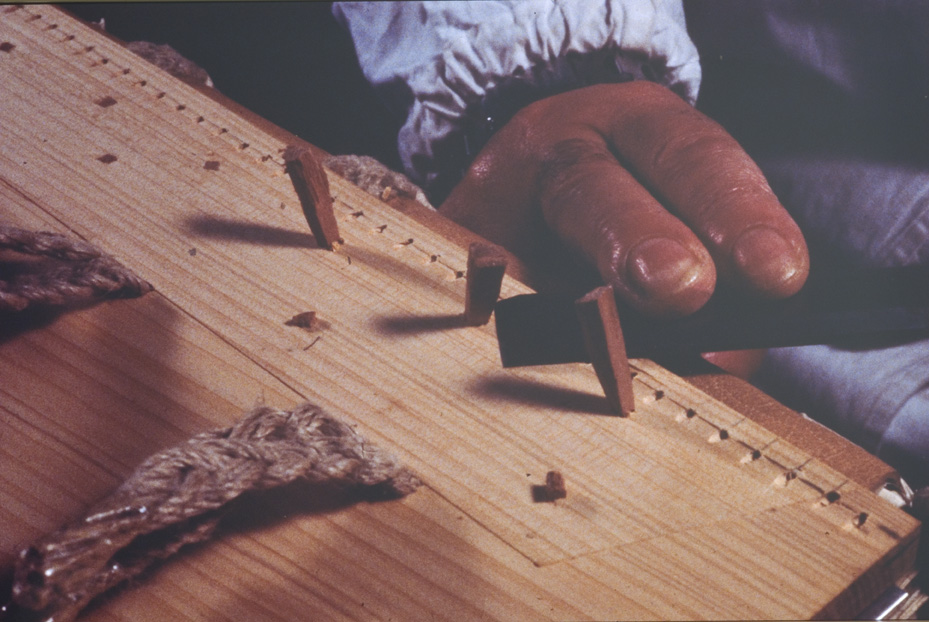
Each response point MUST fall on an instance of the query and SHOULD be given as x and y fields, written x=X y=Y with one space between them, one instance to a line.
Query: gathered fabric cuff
x=457 y=70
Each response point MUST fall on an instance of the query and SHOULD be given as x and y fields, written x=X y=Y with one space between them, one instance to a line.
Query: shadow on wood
x=250 y=233
x=538 y=394
x=410 y=325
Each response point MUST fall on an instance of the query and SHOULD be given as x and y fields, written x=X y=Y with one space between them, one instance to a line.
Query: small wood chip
x=308 y=320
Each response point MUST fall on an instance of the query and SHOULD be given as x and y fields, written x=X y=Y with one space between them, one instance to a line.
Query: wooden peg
x=553 y=489
x=603 y=339
x=312 y=188
x=486 y=267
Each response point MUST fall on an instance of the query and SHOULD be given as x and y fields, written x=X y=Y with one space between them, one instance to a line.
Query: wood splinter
x=603 y=339
x=312 y=186
x=486 y=267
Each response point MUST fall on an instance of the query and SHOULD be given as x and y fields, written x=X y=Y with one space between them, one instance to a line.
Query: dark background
x=289 y=62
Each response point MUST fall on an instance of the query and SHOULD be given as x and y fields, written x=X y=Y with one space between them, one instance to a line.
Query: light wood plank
x=653 y=499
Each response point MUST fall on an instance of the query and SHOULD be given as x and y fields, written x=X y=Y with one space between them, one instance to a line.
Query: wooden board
x=665 y=517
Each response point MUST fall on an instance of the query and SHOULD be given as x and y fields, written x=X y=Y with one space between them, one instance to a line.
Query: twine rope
x=81 y=273
x=175 y=498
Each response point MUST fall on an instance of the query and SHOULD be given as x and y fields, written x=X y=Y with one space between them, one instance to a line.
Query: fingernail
x=660 y=267
x=768 y=260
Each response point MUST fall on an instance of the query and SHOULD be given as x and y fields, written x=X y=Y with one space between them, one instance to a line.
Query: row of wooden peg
x=487 y=263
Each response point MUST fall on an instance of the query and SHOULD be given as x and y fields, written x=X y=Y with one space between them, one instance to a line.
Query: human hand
x=656 y=196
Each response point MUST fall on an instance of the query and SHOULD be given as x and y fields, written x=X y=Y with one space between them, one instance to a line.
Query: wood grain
x=665 y=517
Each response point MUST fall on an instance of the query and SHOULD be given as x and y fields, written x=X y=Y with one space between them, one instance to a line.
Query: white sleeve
x=436 y=60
